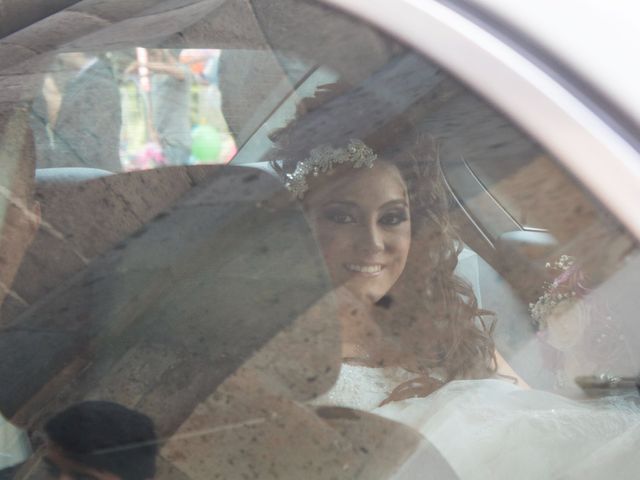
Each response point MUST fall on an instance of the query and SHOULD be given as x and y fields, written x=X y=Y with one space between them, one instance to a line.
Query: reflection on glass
x=402 y=280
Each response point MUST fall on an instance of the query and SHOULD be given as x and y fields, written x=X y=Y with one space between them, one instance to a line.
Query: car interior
x=111 y=296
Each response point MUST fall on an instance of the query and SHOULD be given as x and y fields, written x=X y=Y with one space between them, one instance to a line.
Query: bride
x=415 y=346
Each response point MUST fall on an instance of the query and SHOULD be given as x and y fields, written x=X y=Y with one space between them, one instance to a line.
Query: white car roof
x=598 y=40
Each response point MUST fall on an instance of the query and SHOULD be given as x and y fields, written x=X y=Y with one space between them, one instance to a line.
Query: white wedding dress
x=492 y=429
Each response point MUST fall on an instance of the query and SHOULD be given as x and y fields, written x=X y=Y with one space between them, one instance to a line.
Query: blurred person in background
x=76 y=119
x=169 y=103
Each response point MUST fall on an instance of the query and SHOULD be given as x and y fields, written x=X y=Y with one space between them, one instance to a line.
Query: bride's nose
x=371 y=239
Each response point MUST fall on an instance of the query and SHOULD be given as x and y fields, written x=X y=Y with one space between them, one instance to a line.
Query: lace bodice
x=363 y=388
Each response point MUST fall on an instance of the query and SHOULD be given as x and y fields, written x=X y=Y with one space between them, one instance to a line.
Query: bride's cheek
x=332 y=248
x=403 y=246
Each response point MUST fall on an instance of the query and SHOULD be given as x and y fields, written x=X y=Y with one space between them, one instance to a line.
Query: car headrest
x=67 y=175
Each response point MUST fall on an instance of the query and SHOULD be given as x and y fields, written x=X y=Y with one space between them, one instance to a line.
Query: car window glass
x=500 y=179
x=266 y=240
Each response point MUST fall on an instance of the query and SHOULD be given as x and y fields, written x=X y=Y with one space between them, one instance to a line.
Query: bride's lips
x=366 y=269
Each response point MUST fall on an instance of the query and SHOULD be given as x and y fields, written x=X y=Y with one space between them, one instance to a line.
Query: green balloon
x=205 y=143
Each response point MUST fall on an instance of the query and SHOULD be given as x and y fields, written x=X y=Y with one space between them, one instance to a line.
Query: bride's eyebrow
x=400 y=202
x=340 y=203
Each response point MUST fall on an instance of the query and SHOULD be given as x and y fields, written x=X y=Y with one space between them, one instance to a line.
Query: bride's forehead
x=346 y=182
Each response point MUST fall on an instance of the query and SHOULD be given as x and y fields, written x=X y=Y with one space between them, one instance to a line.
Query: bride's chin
x=366 y=296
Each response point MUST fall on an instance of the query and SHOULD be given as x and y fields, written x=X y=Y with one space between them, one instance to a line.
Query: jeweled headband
x=322 y=159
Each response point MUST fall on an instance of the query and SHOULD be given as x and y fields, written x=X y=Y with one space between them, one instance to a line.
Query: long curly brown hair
x=430 y=312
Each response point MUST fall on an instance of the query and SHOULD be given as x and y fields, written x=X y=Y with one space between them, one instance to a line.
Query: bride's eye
x=394 y=218
x=339 y=216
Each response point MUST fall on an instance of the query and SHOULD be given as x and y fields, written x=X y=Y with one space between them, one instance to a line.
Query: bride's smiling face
x=361 y=220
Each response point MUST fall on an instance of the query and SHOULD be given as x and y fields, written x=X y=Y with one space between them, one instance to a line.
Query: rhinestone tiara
x=322 y=159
